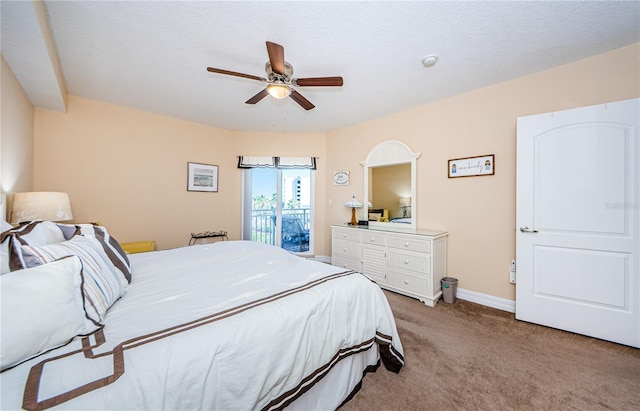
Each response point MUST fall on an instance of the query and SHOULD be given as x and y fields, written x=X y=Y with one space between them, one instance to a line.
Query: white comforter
x=229 y=326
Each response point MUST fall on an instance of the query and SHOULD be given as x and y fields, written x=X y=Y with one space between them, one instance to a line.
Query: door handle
x=526 y=229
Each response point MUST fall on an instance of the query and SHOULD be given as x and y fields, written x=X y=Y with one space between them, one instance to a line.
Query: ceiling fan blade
x=234 y=73
x=262 y=94
x=276 y=57
x=298 y=98
x=318 y=81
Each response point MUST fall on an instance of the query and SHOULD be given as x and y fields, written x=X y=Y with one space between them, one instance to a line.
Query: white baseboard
x=488 y=300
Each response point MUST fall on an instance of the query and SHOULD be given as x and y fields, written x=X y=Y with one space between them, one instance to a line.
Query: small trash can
x=449 y=287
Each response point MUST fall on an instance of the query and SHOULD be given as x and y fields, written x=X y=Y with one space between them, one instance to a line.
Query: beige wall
x=478 y=212
x=16 y=136
x=128 y=169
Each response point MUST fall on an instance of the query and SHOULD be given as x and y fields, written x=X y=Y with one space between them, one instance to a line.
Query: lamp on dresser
x=353 y=204
x=405 y=202
x=42 y=206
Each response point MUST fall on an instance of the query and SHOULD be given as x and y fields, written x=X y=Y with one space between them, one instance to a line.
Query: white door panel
x=577 y=202
x=573 y=187
x=603 y=277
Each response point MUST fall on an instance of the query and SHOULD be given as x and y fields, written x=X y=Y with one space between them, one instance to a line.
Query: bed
x=232 y=325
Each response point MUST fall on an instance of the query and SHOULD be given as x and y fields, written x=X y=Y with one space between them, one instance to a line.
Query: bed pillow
x=110 y=245
x=42 y=308
x=31 y=233
x=103 y=283
x=4 y=226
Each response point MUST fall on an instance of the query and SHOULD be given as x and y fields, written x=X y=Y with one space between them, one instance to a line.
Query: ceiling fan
x=280 y=84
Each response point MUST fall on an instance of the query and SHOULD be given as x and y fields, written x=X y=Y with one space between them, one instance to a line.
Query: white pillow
x=42 y=308
x=35 y=233
x=4 y=226
x=43 y=233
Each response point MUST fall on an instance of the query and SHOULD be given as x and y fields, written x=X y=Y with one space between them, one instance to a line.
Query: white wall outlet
x=512 y=277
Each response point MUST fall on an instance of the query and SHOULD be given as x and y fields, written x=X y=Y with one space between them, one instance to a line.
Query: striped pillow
x=110 y=245
x=102 y=284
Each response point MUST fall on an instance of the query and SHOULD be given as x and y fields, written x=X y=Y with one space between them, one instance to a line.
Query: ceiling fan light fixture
x=279 y=90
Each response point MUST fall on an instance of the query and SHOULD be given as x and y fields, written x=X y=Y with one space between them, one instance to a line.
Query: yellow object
x=138 y=246
x=381 y=215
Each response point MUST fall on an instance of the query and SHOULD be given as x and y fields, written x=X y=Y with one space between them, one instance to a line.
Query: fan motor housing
x=273 y=76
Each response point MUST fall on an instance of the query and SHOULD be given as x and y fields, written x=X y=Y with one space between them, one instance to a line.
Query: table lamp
x=353 y=204
x=405 y=202
x=41 y=206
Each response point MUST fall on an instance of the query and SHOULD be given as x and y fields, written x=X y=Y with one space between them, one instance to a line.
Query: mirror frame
x=389 y=153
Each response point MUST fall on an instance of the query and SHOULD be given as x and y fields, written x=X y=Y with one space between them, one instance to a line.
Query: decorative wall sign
x=202 y=177
x=471 y=166
x=341 y=178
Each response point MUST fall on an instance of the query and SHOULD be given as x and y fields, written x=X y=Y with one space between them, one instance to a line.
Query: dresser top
x=423 y=232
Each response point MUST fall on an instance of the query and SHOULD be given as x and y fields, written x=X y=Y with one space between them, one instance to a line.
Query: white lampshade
x=353 y=203
x=41 y=206
x=405 y=201
x=278 y=90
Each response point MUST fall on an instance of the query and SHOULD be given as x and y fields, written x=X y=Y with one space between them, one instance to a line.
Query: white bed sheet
x=236 y=355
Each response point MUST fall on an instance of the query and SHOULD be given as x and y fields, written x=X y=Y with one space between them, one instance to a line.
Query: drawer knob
x=406 y=281
x=344 y=235
x=373 y=239
x=406 y=244
x=406 y=261
x=345 y=249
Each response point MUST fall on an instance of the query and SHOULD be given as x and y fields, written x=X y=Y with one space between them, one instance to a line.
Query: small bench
x=138 y=246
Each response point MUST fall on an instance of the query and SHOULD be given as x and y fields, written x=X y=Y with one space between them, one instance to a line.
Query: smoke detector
x=430 y=60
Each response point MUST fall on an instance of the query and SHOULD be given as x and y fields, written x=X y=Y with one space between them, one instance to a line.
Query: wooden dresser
x=407 y=262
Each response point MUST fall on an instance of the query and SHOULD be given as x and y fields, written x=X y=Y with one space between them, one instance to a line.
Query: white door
x=578 y=221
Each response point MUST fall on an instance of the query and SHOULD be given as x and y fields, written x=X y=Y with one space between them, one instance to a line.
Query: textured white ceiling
x=153 y=55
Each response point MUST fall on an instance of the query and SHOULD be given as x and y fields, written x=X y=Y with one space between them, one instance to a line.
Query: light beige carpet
x=466 y=356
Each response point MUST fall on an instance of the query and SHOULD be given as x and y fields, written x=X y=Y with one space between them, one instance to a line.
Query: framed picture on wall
x=341 y=178
x=202 y=177
x=471 y=166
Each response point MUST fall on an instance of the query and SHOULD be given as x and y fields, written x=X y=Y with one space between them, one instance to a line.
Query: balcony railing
x=295 y=237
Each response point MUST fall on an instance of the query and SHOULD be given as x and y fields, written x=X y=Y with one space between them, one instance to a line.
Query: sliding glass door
x=278 y=207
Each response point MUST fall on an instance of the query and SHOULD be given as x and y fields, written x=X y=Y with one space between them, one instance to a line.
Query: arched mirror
x=390 y=186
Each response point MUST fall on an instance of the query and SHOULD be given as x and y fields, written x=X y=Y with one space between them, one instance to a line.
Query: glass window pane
x=264 y=189
x=293 y=217
x=296 y=209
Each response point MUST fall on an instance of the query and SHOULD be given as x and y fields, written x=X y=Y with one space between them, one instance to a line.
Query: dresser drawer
x=409 y=243
x=407 y=281
x=374 y=238
x=347 y=249
x=347 y=263
x=410 y=261
x=347 y=234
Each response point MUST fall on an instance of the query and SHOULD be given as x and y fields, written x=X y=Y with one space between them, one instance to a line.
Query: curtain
x=253 y=162
x=277 y=162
